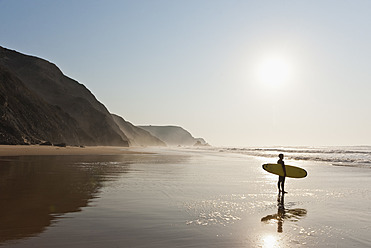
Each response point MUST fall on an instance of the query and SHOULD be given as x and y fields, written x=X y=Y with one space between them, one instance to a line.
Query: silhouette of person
x=281 y=179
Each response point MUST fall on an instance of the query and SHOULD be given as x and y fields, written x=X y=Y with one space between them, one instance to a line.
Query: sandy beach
x=19 y=150
x=178 y=198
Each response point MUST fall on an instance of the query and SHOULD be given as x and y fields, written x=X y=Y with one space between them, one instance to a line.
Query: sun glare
x=270 y=241
x=274 y=71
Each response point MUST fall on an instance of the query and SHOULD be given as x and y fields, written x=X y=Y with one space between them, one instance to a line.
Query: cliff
x=25 y=118
x=66 y=106
x=39 y=104
x=137 y=136
x=174 y=135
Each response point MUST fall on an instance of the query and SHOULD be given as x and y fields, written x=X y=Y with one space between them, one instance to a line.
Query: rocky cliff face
x=137 y=136
x=72 y=112
x=173 y=135
x=25 y=118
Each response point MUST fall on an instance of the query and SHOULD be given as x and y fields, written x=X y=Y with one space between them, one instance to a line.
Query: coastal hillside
x=40 y=105
x=69 y=110
x=174 y=135
x=28 y=119
x=137 y=136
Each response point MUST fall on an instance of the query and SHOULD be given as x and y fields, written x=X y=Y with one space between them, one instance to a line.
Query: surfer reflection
x=280 y=212
x=284 y=214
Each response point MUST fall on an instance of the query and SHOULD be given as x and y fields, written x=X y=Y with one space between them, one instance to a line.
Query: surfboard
x=291 y=171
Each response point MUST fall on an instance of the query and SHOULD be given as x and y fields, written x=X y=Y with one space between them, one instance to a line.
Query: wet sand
x=18 y=150
x=179 y=198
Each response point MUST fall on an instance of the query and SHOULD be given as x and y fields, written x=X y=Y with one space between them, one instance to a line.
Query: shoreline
x=37 y=150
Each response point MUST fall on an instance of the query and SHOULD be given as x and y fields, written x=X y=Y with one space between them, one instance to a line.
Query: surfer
x=281 y=179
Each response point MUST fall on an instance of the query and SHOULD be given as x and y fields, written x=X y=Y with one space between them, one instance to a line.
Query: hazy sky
x=233 y=72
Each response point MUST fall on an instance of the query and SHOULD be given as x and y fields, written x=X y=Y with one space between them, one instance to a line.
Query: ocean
x=354 y=156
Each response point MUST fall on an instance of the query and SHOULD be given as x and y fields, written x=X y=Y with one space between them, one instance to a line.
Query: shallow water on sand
x=178 y=198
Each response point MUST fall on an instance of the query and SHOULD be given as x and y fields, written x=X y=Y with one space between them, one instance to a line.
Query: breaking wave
x=356 y=156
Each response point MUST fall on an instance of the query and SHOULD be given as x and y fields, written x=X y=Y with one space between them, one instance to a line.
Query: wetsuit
x=281 y=179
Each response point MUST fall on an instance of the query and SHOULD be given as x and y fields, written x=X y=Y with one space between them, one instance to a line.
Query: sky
x=237 y=73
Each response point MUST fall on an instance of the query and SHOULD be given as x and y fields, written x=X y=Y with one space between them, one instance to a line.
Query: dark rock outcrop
x=201 y=142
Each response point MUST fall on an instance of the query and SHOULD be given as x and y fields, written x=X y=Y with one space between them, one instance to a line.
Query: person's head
x=280 y=156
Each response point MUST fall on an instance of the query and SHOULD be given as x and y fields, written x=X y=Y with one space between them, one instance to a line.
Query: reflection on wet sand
x=36 y=191
x=284 y=214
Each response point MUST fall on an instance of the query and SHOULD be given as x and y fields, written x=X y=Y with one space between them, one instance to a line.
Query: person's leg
x=279 y=184
x=283 y=184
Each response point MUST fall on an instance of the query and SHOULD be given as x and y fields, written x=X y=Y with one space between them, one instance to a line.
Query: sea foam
x=356 y=156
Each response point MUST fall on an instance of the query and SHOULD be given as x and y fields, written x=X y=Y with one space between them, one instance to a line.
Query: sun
x=274 y=71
